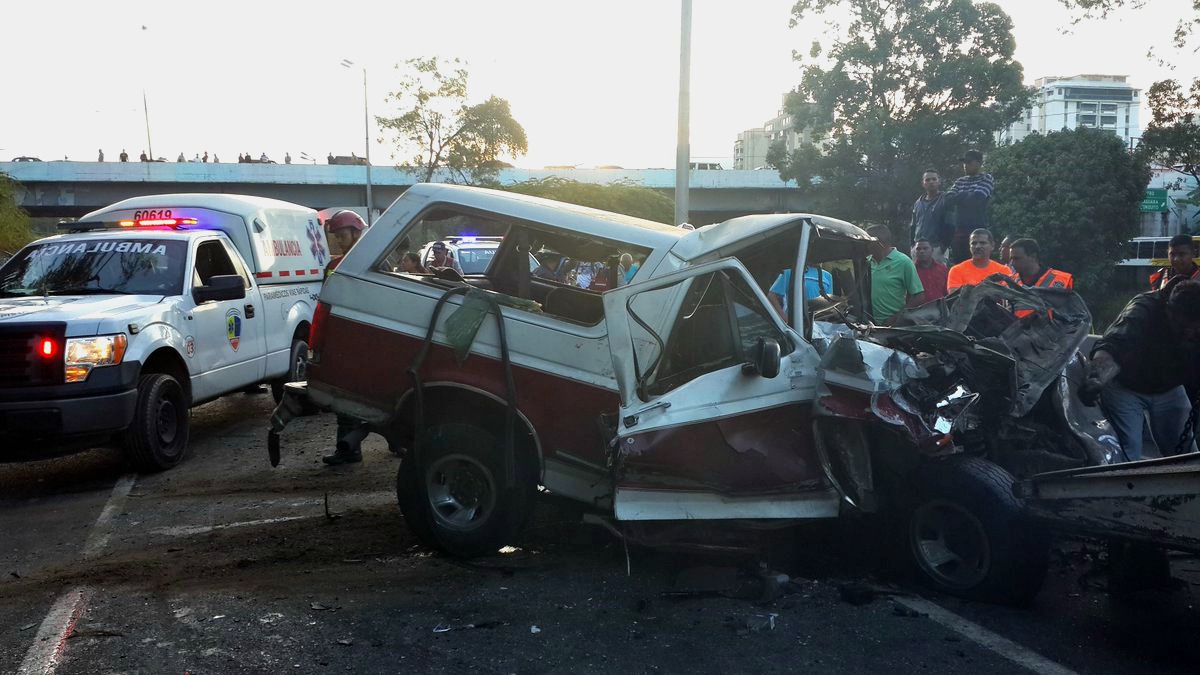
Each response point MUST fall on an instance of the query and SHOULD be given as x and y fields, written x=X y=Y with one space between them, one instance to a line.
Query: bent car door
x=705 y=431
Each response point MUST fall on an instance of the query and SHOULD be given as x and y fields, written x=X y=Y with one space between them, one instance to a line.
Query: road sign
x=1155 y=201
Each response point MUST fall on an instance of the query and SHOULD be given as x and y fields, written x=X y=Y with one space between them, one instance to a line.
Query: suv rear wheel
x=455 y=500
x=966 y=535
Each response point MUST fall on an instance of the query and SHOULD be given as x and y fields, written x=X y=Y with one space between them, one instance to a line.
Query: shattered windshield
x=126 y=266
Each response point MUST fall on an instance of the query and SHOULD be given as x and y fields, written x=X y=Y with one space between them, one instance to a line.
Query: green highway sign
x=1155 y=201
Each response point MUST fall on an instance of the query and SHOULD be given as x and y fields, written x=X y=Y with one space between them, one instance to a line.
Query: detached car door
x=705 y=431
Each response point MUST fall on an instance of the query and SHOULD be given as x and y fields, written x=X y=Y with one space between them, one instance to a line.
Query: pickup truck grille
x=20 y=363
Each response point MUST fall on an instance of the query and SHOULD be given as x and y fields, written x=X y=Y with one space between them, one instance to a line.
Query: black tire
x=965 y=533
x=297 y=368
x=454 y=500
x=157 y=438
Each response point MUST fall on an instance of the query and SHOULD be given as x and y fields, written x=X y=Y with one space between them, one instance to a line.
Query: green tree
x=904 y=85
x=435 y=121
x=618 y=197
x=1078 y=194
x=14 y=222
x=1173 y=136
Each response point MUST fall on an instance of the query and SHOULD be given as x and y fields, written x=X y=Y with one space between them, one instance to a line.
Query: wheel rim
x=167 y=424
x=949 y=544
x=300 y=367
x=462 y=492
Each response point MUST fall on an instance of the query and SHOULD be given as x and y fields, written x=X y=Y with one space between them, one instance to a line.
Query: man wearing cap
x=1181 y=251
x=970 y=196
x=441 y=257
x=344 y=229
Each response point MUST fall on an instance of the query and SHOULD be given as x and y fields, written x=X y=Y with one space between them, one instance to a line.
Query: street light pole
x=683 y=149
x=146 y=110
x=347 y=63
x=367 y=140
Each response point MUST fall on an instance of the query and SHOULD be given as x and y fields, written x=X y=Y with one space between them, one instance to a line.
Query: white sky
x=592 y=83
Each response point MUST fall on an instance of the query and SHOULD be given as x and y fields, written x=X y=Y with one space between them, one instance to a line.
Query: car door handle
x=632 y=420
x=249 y=311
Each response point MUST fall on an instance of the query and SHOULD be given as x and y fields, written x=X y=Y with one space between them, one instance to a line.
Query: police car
x=143 y=309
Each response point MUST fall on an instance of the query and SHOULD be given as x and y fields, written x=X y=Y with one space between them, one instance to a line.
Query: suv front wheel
x=966 y=534
x=454 y=498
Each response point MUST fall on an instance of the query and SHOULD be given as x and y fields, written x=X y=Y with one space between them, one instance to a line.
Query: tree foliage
x=904 y=86
x=435 y=121
x=1185 y=27
x=1173 y=135
x=618 y=197
x=14 y=222
x=1078 y=194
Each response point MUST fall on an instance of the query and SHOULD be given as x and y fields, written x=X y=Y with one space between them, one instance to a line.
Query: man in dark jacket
x=929 y=217
x=970 y=196
x=1144 y=364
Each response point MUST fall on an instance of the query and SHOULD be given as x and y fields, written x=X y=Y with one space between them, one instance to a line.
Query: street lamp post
x=346 y=63
x=683 y=149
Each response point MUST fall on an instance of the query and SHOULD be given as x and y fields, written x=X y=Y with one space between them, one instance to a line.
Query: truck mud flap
x=295 y=401
x=1154 y=500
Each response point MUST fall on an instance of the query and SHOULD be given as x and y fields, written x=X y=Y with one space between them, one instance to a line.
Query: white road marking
x=101 y=530
x=48 y=646
x=43 y=656
x=187 y=530
x=1010 y=650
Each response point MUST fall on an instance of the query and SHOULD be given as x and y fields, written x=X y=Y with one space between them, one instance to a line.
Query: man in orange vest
x=979 y=266
x=1028 y=269
x=1181 y=251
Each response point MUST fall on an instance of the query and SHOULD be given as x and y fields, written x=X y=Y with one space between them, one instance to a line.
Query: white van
x=145 y=308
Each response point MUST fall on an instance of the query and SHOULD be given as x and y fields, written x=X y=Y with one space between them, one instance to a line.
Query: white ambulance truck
x=141 y=310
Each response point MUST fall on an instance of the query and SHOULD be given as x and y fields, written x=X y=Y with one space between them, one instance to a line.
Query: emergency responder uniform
x=344 y=228
x=1048 y=278
x=1160 y=278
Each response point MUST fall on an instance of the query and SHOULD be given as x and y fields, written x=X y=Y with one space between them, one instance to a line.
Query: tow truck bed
x=1153 y=500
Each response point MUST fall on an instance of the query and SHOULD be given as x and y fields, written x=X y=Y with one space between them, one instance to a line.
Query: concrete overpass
x=71 y=189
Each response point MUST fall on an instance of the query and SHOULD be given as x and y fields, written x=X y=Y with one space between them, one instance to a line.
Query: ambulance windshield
x=122 y=266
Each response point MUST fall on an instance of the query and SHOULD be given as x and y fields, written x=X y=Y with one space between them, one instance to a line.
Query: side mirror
x=766 y=356
x=220 y=287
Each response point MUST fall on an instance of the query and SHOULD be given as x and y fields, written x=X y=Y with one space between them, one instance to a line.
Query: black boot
x=343 y=456
x=346 y=453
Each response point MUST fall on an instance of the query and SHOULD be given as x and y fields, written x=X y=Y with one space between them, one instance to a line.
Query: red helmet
x=343 y=220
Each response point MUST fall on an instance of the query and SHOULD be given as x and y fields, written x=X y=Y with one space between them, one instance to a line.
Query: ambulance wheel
x=453 y=497
x=297 y=372
x=966 y=534
x=157 y=438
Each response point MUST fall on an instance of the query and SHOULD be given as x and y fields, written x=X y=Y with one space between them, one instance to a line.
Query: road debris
x=534 y=630
x=446 y=628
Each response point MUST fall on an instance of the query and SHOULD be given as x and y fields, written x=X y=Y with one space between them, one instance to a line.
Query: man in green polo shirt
x=894 y=281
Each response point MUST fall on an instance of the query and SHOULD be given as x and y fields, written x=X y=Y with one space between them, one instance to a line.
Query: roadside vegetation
x=15 y=231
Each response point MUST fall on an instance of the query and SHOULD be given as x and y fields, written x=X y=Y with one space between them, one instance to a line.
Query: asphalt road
x=225 y=565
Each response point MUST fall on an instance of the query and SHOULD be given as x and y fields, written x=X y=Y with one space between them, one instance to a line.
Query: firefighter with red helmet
x=344 y=229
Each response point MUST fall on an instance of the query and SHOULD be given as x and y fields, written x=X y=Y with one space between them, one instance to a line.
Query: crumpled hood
x=978 y=322
x=82 y=313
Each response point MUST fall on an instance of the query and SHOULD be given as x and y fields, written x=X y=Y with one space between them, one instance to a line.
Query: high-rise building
x=1095 y=101
x=750 y=148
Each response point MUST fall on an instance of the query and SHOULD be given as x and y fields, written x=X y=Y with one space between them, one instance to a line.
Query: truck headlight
x=83 y=354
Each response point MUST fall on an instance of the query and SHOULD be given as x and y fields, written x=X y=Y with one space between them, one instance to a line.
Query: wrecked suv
x=683 y=396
